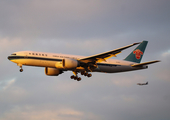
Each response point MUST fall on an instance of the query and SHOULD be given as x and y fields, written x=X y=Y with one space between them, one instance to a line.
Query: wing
x=106 y=55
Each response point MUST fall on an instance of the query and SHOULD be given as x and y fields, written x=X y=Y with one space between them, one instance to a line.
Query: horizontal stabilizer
x=145 y=63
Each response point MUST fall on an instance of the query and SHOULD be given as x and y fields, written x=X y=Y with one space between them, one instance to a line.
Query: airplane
x=142 y=83
x=56 y=64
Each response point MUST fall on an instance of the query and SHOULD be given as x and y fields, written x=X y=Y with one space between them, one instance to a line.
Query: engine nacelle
x=67 y=63
x=52 y=71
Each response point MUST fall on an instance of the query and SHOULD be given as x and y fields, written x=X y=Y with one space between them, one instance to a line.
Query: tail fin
x=137 y=54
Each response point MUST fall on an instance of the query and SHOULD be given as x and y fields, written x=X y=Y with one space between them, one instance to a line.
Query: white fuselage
x=41 y=59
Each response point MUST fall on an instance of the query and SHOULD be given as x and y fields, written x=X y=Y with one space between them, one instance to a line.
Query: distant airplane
x=56 y=64
x=142 y=83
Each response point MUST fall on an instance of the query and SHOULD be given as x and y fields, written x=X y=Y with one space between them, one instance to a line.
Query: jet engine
x=67 y=63
x=52 y=71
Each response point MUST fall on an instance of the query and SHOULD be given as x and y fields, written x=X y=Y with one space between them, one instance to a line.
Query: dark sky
x=84 y=27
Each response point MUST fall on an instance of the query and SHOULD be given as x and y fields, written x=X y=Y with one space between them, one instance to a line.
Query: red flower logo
x=138 y=53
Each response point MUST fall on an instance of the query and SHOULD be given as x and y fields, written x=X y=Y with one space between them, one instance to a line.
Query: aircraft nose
x=8 y=57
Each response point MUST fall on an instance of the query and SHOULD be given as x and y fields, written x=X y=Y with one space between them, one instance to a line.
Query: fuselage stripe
x=35 y=58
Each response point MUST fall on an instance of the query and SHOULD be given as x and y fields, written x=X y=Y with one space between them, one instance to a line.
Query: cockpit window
x=14 y=54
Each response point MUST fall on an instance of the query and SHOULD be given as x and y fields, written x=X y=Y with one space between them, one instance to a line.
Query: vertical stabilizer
x=137 y=54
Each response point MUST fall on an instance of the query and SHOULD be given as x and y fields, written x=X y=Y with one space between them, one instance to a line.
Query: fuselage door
x=25 y=55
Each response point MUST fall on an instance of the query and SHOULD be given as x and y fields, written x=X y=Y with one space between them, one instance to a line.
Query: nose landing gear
x=20 y=65
x=21 y=70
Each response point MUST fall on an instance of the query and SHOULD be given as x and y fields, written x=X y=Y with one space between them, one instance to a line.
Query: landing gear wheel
x=79 y=79
x=82 y=73
x=72 y=77
x=75 y=78
x=21 y=70
x=89 y=75
x=85 y=74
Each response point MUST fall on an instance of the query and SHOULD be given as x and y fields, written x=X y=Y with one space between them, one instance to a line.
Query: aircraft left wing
x=106 y=55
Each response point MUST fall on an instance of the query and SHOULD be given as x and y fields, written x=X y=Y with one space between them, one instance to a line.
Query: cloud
x=66 y=88
x=6 y=84
x=33 y=18
x=127 y=81
x=8 y=43
x=82 y=19
x=128 y=99
x=32 y=113
x=163 y=72
x=166 y=54
x=11 y=93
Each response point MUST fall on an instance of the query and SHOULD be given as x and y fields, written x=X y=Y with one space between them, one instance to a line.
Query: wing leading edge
x=106 y=55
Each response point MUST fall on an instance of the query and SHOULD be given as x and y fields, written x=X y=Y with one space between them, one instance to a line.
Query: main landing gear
x=86 y=74
x=75 y=77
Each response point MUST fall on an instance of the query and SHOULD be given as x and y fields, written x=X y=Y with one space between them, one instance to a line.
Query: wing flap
x=145 y=63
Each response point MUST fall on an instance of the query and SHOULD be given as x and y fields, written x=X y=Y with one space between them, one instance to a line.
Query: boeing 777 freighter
x=56 y=64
